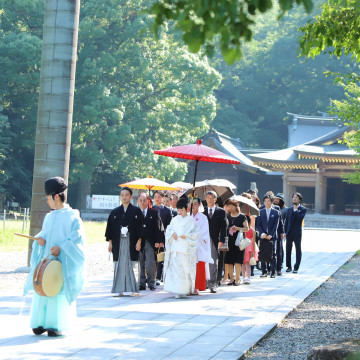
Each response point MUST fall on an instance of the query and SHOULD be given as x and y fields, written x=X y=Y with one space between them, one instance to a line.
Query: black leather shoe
x=54 y=333
x=263 y=275
x=142 y=287
x=152 y=288
x=288 y=269
x=278 y=273
x=213 y=290
x=272 y=276
x=231 y=283
x=39 y=330
x=295 y=271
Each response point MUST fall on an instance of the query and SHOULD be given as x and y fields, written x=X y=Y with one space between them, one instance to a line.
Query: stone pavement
x=155 y=326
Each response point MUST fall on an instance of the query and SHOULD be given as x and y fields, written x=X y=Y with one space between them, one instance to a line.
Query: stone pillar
x=286 y=189
x=320 y=192
x=56 y=97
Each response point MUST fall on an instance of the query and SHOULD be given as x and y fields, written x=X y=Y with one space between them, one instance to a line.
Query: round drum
x=48 y=278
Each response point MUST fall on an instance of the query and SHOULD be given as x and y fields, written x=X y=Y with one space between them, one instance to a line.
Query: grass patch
x=94 y=231
x=358 y=252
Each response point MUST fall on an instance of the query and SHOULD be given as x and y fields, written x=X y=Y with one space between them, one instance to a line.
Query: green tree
x=270 y=80
x=227 y=23
x=336 y=32
x=4 y=140
x=134 y=95
x=20 y=53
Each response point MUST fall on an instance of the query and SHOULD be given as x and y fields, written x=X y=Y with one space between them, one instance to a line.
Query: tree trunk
x=84 y=188
x=56 y=98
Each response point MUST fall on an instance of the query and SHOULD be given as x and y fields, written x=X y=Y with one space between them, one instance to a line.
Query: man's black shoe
x=213 y=290
x=152 y=288
x=295 y=271
x=142 y=288
x=54 y=333
x=39 y=330
x=272 y=275
x=288 y=269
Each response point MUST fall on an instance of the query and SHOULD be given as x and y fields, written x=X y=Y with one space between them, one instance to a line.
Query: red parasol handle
x=193 y=189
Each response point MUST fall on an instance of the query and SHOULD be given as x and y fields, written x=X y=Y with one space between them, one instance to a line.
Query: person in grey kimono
x=124 y=234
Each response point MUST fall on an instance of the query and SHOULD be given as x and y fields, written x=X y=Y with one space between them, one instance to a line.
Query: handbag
x=160 y=256
x=266 y=250
x=239 y=238
x=244 y=243
x=252 y=261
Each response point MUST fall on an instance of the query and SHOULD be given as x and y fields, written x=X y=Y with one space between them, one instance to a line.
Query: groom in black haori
x=124 y=233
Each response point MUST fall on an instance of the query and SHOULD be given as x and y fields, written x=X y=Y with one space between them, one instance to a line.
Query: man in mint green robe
x=62 y=236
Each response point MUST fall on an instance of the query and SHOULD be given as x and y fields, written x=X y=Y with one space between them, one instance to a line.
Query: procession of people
x=189 y=247
x=204 y=247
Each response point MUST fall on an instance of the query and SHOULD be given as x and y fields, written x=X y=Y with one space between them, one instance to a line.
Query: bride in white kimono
x=181 y=240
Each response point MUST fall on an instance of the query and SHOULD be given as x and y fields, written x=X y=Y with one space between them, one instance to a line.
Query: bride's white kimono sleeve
x=180 y=255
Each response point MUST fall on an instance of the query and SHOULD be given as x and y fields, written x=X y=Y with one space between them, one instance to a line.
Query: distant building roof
x=325 y=149
x=232 y=147
x=305 y=128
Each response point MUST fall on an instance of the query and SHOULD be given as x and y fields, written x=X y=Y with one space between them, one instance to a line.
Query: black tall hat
x=55 y=185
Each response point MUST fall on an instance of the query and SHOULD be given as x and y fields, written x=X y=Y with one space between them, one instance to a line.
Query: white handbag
x=244 y=243
x=252 y=261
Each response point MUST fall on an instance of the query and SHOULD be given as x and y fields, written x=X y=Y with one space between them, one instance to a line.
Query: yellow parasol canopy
x=149 y=183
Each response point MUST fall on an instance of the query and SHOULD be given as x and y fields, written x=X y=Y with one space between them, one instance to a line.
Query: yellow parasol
x=149 y=183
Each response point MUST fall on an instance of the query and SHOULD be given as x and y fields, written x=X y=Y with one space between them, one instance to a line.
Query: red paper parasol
x=197 y=152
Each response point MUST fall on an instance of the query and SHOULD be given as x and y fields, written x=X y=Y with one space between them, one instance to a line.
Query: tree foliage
x=270 y=80
x=20 y=56
x=336 y=31
x=348 y=110
x=132 y=95
x=227 y=23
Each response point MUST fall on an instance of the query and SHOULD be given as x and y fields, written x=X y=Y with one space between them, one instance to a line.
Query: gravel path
x=330 y=313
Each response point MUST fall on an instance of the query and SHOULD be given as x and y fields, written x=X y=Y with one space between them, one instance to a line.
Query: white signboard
x=105 y=201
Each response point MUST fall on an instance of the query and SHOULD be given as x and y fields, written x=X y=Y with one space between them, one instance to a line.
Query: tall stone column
x=320 y=191
x=56 y=98
x=286 y=188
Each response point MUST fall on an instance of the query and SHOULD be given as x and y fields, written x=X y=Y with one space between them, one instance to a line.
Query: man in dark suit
x=267 y=225
x=165 y=215
x=167 y=203
x=124 y=227
x=280 y=203
x=293 y=229
x=151 y=238
x=173 y=200
x=217 y=227
x=280 y=232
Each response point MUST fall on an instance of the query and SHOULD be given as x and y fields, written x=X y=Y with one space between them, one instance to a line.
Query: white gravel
x=330 y=313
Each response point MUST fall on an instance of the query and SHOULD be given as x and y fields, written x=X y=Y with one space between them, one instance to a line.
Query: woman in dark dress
x=237 y=222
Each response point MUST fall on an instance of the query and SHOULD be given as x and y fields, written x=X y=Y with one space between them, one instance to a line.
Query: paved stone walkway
x=156 y=326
